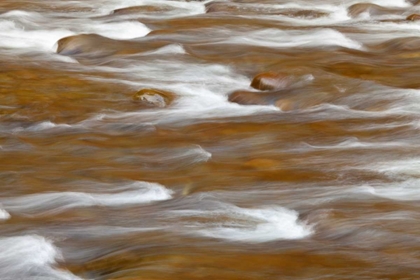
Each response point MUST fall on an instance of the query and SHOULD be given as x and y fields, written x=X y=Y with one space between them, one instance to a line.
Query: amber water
x=317 y=180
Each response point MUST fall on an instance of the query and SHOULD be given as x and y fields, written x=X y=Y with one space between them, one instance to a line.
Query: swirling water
x=315 y=177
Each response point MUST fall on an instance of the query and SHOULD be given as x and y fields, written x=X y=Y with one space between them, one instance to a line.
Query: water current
x=181 y=139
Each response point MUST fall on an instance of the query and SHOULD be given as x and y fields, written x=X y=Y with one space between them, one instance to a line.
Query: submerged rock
x=286 y=99
x=271 y=81
x=303 y=101
x=96 y=45
x=244 y=97
x=79 y=44
x=150 y=97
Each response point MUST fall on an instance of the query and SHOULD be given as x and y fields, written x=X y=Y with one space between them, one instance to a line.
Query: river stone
x=271 y=81
x=413 y=17
x=154 y=97
x=86 y=44
x=94 y=45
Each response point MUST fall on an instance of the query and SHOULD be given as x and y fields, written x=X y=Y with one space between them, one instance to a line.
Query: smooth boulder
x=271 y=81
x=96 y=45
x=150 y=97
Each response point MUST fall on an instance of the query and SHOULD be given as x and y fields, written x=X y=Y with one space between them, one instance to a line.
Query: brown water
x=313 y=172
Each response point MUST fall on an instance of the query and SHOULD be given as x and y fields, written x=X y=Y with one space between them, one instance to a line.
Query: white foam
x=4 y=215
x=379 y=32
x=410 y=167
x=201 y=91
x=387 y=3
x=354 y=142
x=135 y=193
x=334 y=13
x=181 y=115
x=332 y=4
x=95 y=232
x=30 y=257
x=47 y=125
x=184 y=156
x=169 y=49
x=337 y=10
x=286 y=39
x=43 y=126
x=183 y=8
x=118 y=30
x=408 y=190
x=248 y=225
x=31 y=31
x=197 y=153
x=15 y=36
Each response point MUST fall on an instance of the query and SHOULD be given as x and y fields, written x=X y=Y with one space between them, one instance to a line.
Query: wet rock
x=154 y=97
x=413 y=17
x=96 y=45
x=244 y=97
x=271 y=81
x=79 y=44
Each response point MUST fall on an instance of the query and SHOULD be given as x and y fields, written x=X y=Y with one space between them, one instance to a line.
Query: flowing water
x=313 y=173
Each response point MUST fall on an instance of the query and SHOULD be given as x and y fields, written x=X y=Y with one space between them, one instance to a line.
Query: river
x=181 y=139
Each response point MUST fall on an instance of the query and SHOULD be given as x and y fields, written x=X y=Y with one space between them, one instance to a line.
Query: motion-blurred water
x=312 y=174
